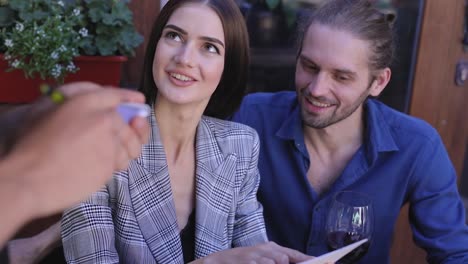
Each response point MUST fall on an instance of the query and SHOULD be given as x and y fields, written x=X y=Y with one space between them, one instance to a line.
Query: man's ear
x=381 y=79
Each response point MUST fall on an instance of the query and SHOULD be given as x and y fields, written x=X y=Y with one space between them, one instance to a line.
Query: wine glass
x=349 y=220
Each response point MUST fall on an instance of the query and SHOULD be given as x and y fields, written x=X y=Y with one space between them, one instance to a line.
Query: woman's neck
x=177 y=128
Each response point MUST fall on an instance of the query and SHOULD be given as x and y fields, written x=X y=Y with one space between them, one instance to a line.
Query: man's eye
x=342 y=78
x=312 y=68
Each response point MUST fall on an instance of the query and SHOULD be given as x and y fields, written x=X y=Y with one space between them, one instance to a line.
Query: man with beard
x=331 y=135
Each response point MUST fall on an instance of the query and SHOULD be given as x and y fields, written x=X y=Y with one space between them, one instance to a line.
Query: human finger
x=130 y=141
x=293 y=255
x=265 y=260
x=121 y=157
x=52 y=97
x=77 y=88
x=141 y=127
x=110 y=98
x=279 y=257
x=72 y=89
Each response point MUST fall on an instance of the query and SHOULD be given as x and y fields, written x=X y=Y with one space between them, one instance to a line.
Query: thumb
x=296 y=256
x=110 y=98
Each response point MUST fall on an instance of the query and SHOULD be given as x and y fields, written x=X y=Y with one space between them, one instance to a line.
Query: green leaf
x=53 y=35
x=104 y=46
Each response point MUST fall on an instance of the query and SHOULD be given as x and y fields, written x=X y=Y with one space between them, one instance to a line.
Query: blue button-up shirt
x=402 y=159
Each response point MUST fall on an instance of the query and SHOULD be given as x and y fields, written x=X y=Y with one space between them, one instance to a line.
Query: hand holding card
x=130 y=110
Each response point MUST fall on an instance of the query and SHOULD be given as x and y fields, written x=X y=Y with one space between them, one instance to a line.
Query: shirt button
x=317 y=208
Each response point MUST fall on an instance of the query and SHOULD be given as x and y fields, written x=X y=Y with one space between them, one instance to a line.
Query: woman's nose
x=185 y=56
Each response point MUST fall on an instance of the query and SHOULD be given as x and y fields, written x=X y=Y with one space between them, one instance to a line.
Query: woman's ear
x=381 y=79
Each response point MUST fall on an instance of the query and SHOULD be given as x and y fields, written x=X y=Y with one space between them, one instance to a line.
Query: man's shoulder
x=404 y=125
x=277 y=99
x=256 y=108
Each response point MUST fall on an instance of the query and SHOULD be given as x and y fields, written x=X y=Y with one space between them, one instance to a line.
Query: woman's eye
x=211 y=48
x=173 y=35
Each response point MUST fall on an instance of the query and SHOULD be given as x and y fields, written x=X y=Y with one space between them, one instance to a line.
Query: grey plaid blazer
x=133 y=220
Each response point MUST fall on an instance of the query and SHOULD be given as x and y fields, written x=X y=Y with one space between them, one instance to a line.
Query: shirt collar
x=291 y=128
x=378 y=136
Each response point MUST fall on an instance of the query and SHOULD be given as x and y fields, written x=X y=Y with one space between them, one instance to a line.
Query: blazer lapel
x=151 y=194
x=215 y=175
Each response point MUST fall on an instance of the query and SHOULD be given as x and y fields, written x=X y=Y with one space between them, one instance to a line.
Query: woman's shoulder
x=230 y=133
x=220 y=126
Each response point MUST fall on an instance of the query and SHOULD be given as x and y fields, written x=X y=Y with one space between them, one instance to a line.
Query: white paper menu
x=335 y=255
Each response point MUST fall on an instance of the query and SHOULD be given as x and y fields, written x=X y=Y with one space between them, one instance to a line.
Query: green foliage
x=43 y=41
x=48 y=34
x=110 y=23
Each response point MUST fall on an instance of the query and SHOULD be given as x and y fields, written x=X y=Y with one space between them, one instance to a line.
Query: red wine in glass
x=349 y=220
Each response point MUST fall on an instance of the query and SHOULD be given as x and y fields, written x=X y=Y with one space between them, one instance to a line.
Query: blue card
x=130 y=110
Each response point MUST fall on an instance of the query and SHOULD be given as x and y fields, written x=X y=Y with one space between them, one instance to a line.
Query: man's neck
x=341 y=137
x=330 y=150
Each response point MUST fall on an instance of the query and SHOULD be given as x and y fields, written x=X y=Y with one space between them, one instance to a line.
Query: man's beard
x=323 y=122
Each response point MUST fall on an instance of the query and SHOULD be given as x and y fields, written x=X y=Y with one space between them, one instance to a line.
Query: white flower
x=41 y=33
x=8 y=43
x=56 y=71
x=60 y=3
x=59 y=28
x=76 y=12
x=83 y=32
x=62 y=48
x=19 y=27
x=71 y=67
x=7 y=57
x=15 y=64
x=54 y=55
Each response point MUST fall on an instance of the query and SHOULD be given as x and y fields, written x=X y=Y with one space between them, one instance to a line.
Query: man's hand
x=76 y=147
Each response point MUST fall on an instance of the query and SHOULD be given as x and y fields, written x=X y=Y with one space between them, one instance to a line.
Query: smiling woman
x=229 y=91
x=192 y=192
x=189 y=59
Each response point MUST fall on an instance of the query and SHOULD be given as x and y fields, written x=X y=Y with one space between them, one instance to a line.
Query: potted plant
x=64 y=41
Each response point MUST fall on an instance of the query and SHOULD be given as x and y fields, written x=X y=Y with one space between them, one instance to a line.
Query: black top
x=4 y=255
x=187 y=238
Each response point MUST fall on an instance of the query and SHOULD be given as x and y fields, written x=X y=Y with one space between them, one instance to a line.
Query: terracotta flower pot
x=15 y=88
